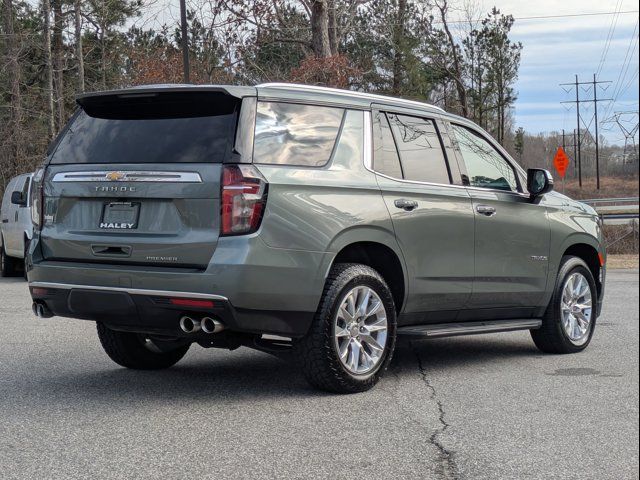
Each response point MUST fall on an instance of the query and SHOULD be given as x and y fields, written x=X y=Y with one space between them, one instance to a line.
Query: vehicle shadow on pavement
x=245 y=374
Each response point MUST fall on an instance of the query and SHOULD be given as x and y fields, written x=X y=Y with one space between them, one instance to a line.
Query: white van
x=15 y=224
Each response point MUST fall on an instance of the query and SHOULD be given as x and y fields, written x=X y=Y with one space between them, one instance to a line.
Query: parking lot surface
x=482 y=407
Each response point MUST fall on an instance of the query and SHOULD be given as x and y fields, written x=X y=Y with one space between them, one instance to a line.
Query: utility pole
x=595 y=113
x=594 y=84
x=185 y=41
x=572 y=144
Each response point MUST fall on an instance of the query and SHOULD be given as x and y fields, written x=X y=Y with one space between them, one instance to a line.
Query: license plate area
x=120 y=216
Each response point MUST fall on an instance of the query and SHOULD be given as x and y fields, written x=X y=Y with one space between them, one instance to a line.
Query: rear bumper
x=159 y=312
x=255 y=288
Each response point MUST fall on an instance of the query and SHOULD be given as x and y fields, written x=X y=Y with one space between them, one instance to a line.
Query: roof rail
x=370 y=96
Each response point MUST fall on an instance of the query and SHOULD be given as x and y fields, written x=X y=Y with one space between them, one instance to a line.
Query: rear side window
x=486 y=168
x=190 y=128
x=420 y=149
x=385 y=156
x=295 y=134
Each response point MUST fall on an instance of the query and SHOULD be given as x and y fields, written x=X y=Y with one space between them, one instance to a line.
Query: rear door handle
x=486 y=210
x=5 y=220
x=405 y=204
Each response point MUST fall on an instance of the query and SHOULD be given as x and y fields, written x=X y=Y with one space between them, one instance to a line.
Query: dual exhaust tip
x=206 y=324
x=41 y=310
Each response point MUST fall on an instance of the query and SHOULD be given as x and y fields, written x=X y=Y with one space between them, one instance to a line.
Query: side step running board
x=468 y=328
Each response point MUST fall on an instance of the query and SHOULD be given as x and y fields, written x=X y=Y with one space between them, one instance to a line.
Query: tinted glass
x=385 y=155
x=25 y=188
x=350 y=141
x=420 y=149
x=486 y=168
x=167 y=139
x=293 y=134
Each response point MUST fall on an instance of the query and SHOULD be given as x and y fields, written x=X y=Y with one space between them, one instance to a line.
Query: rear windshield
x=169 y=129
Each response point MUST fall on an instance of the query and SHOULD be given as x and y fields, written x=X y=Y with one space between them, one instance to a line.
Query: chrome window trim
x=129 y=176
x=368 y=164
x=132 y=291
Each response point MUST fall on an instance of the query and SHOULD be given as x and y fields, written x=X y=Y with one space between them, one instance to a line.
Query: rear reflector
x=601 y=257
x=39 y=292
x=186 y=302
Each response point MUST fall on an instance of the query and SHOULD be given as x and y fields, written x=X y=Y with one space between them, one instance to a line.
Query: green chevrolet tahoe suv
x=305 y=221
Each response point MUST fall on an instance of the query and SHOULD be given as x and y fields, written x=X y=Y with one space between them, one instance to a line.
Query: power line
x=607 y=42
x=633 y=42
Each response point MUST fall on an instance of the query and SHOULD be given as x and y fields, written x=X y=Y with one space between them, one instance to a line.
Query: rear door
x=432 y=217
x=136 y=180
x=512 y=234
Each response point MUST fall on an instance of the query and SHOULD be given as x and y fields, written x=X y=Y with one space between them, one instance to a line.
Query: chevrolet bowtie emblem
x=115 y=176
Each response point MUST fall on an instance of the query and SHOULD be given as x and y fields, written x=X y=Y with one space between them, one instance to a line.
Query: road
x=483 y=407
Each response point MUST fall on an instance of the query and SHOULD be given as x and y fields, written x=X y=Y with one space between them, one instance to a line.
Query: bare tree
x=46 y=13
x=78 y=33
x=58 y=61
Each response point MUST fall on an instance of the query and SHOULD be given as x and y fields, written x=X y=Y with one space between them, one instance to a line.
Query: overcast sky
x=555 y=50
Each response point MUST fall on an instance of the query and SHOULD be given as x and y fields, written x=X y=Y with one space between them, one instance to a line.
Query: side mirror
x=539 y=182
x=16 y=199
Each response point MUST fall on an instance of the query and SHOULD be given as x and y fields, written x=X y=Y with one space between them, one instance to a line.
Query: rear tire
x=347 y=349
x=129 y=350
x=7 y=264
x=564 y=332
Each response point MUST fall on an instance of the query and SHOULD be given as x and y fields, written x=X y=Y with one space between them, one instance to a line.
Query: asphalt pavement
x=481 y=407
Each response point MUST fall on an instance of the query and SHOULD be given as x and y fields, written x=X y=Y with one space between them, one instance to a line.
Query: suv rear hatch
x=135 y=178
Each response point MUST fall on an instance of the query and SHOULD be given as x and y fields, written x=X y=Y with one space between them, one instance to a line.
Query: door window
x=486 y=168
x=385 y=156
x=25 y=189
x=420 y=149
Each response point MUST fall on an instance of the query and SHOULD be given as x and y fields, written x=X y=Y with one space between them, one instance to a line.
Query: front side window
x=25 y=188
x=420 y=149
x=486 y=168
x=295 y=134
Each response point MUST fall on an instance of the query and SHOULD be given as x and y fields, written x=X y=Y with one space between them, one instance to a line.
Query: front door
x=512 y=234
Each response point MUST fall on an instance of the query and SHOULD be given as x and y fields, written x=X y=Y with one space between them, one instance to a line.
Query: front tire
x=7 y=264
x=569 y=321
x=352 y=338
x=132 y=350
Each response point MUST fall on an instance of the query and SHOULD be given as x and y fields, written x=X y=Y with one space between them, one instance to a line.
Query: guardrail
x=598 y=201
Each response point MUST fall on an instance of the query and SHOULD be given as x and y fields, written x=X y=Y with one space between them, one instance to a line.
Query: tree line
x=451 y=55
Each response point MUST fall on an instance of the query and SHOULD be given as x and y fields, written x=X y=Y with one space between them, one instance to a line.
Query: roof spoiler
x=151 y=91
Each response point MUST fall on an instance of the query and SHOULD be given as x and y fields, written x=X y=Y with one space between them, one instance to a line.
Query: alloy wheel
x=360 y=330
x=577 y=307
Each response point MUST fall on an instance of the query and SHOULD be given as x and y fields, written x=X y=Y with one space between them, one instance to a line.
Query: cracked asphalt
x=482 y=407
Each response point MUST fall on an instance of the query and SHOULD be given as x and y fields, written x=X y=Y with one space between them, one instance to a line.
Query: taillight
x=37 y=199
x=244 y=194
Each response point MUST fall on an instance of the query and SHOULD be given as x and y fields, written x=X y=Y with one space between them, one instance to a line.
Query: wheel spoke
x=364 y=303
x=372 y=343
x=372 y=311
x=344 y=349
x=354 y=355
x=341 y=332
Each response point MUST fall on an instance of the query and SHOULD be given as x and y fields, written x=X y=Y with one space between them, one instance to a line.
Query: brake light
x=244 y=194
x=37 y=199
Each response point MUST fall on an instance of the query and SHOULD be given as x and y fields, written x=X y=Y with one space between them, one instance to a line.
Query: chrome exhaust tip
x=211 y=325
x=40 y=310
x=189 y=325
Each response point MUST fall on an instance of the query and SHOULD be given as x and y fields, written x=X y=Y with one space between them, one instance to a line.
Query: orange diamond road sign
x=561 y=162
